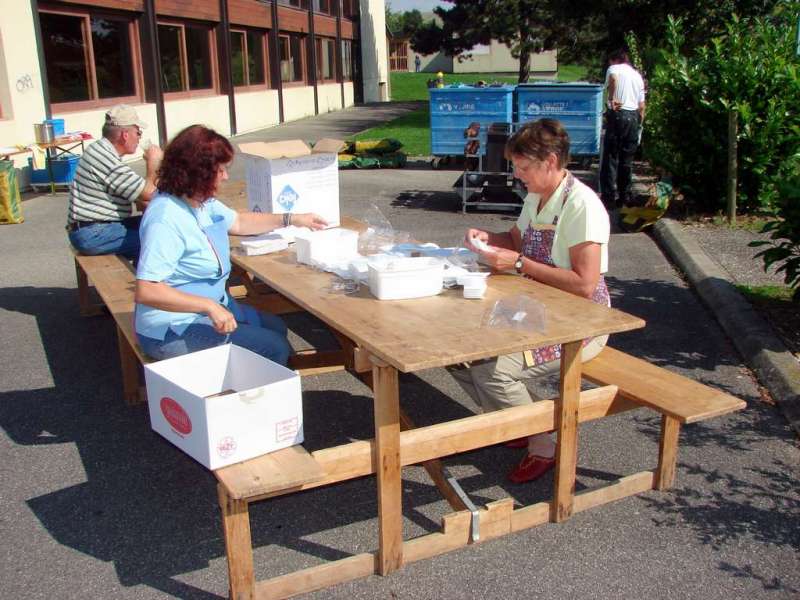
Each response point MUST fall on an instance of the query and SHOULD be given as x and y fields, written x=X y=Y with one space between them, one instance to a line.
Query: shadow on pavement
x=152 y=512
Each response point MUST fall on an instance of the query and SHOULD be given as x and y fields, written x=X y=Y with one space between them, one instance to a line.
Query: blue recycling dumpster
x=454 y=107
x=579 y=107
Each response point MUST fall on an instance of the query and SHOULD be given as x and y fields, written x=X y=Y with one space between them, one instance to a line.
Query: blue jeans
x=262 y=333
x=119 y=237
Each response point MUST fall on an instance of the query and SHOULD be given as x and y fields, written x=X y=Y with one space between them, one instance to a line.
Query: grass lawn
x=413 y=129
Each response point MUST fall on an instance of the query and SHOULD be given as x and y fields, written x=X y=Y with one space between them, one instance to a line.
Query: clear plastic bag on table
x=460 y=262
x=340 y=285
x=463 y=257
x=379 y=236
x=516 y=312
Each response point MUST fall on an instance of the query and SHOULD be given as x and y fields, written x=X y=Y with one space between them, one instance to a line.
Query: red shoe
x=517 y=443
x=531 y=468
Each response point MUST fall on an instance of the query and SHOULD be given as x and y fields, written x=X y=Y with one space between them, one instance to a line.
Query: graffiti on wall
x=24 y=83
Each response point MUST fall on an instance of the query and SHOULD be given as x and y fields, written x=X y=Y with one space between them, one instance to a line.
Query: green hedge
x=751 y=69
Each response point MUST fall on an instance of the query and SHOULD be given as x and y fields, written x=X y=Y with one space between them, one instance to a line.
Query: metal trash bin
x=579 y=107
x=454 y=108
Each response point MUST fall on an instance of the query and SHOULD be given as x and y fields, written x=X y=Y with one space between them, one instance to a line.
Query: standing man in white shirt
x=625 y=99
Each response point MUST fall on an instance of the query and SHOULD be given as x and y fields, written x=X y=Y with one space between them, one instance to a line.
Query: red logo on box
x=286 y=430
x=226 y=447
x=175 y=415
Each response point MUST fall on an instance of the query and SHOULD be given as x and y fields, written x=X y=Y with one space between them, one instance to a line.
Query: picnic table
x=383 y=338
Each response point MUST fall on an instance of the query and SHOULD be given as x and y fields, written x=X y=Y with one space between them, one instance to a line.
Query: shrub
x=750 y=69
x=784 y=244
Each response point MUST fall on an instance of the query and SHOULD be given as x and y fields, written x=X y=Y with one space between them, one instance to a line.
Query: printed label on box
x=177 y=418
x=286 y=430
x=226 y=447
x=288 y=198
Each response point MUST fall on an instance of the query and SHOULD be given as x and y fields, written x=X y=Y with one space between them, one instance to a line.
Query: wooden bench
x=627 y=383
x=679 y=399
x=114 y=280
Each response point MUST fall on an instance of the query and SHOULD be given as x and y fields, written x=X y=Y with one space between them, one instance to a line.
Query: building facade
x=234 y=65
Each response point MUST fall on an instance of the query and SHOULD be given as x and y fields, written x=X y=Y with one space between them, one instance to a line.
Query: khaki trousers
x=498 y=383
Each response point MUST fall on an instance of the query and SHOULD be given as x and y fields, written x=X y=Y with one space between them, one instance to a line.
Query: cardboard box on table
x=290 y=176
x=255 y=405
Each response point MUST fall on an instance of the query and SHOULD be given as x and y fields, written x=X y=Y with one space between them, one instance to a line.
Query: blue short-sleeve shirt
x=175 y=250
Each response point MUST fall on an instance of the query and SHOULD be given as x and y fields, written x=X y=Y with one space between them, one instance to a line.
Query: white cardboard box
x=290 y=176
x=328 y=245
x=260 y=411
x=401 y=278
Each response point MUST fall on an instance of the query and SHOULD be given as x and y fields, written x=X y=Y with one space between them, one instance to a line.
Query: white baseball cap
x=124 y=115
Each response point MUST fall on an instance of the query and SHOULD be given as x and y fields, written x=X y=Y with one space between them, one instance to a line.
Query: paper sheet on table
x=263 y=244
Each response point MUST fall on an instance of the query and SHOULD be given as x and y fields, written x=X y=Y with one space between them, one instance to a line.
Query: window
x=326 y=59
x=248 y=57
x=295 y=3
x=185 y=57
x=89 y=57
x=347 y=60
x=350 y=9
x=291 y=58
x=324 y=6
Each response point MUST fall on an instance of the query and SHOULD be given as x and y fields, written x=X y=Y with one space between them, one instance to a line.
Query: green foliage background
x=751 y=69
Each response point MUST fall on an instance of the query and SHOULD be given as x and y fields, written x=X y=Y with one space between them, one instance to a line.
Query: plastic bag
x=519 y=312
x=10 y=202
x=379 y=233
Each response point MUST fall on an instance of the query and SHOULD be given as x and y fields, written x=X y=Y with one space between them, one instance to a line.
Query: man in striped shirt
x=104 y=189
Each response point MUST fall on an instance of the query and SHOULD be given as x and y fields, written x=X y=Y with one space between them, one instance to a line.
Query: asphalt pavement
x=96 y=505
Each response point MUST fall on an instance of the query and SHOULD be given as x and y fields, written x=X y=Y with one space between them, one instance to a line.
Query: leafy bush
x=784 y=244
x=751 y=69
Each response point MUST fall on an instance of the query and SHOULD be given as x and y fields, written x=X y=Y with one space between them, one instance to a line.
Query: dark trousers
x=619 y=146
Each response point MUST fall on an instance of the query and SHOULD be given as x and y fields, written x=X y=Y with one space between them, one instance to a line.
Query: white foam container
x=403 y=278
x=326 y=246
x=475 y=285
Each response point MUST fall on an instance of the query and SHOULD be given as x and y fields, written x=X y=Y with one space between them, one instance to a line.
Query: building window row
x=185 y=57
x=89 y=57
x=249 y=58
x=92 y=57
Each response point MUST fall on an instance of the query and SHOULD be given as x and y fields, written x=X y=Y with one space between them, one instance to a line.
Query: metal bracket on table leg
x=476 y=519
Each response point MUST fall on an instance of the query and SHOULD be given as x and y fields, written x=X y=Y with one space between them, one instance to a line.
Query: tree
x=403 y=24
x=591 y=29
x=525 y=26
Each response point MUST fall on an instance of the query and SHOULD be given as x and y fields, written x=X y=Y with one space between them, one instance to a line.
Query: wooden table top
x=435 y=331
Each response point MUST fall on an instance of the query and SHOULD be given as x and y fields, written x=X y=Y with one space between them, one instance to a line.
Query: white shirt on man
x=628 y=86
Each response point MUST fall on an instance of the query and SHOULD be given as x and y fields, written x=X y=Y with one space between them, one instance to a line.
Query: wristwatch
x=518 y=264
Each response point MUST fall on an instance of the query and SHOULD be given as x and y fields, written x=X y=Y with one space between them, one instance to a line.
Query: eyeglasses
x=138 y=130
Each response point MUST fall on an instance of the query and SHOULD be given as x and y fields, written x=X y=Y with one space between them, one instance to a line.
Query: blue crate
x=579 y=107
x=453 y=108
x=63 y=171
x=58 y=126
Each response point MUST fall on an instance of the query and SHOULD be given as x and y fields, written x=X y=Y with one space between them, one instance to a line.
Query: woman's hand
x=501 y=259
x=475 y=234
x=310 y=220
x=221 y=318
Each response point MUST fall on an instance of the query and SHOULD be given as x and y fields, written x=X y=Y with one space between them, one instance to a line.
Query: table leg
x=130 y=370
x=48 y=162
x=387 y=446
x=238 y=546
x=667 y=452
x=567 y=427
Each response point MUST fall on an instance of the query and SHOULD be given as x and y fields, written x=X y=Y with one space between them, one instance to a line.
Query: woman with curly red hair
x=181 y=301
